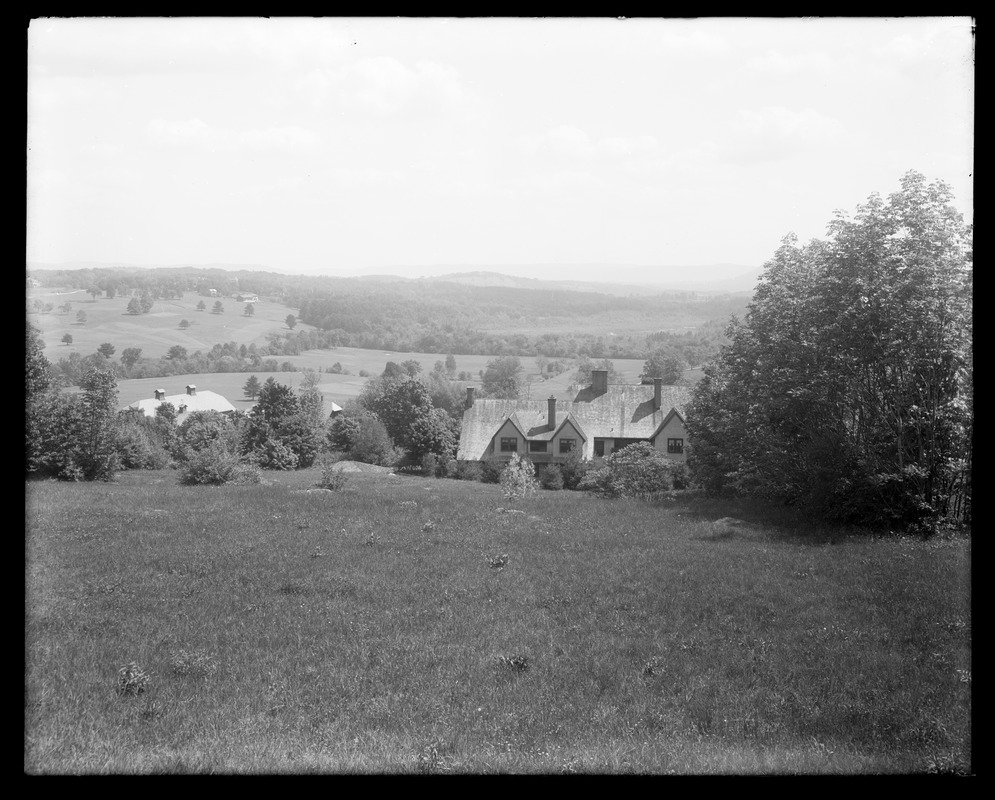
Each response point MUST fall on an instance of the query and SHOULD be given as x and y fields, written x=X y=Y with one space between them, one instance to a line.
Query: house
x=596 y=421
x=191 y=400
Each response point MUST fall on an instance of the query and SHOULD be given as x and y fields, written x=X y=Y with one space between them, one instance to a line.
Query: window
x=599 y=447
x=675 y=446
x=537 y=447
x=509 y=444
x=567 y=445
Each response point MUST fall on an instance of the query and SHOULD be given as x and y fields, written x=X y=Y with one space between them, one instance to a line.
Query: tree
x=176 y=353
x=93 y=291
x=66 y=307
x=106 y=349
x=399 y=403
x=134 y=307
x=184 y=324
x=848 y=386
x=81 y=317
x=201 y=305
x=503 y=377
x=218 y=308
x=582 y=376
x=664 y=364
x=451 y=365
x=130 y=356
x=435 y=432
x=67 y=338
x=291 y=321
x=250 y=309
x=251 y=387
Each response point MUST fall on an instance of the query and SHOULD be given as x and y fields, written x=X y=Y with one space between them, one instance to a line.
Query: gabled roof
x=623 y=411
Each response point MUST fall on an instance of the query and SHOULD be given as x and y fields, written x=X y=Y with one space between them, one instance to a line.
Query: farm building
x=598 y=420
x=191 y=400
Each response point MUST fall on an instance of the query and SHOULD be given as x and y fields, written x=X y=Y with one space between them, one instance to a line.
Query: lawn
x=410 y=625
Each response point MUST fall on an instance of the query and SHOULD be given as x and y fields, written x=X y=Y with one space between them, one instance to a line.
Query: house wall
x=568 y=431
x=674 y=429
x=508 y=430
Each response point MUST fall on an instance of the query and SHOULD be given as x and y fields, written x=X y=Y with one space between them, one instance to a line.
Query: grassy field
x=409 y=625
x=155 y=332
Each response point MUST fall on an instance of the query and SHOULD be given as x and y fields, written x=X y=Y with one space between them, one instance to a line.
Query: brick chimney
x=469 y=397
x=657 y=393
x=191 y=390
x=552 y=412
x=599 y=381
x=160 y=394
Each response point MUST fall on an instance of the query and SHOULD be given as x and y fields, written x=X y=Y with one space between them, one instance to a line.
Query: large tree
x=503 y=378
x=847 y=387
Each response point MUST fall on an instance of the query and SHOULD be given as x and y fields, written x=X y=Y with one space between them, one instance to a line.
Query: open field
x=408 y=625
x=155 y=332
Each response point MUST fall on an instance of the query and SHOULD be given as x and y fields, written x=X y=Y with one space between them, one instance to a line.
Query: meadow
x=408 y=625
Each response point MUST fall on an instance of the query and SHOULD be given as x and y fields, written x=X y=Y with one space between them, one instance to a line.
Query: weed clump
x=132 y=680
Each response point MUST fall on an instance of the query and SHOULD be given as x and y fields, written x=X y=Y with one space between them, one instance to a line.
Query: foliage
x=216 y=465
x=639 y=470
x=130 y=356
x=518 y=478
x=665 y=364
x=139 y=445
x=583 y=377
x=202 y=429
x=251 y=387
x=435 y=433
x=551 y=477
x=218 y=308
x=291 y=321
x=176 y=352
x=106 y=349
x=503 y=378
x=67 y=338
x=573 y=468
x=848 y=387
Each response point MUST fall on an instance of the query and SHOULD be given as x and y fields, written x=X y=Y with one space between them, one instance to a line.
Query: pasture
x=108 y=320
x=410 y=625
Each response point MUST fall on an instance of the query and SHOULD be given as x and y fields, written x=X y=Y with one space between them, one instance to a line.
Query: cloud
x=774 y=132
x=569 y=142
x=197 y=133
x=384 y=86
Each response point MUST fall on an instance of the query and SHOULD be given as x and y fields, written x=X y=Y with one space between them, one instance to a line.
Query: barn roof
x=203 y=400
x=621 y=412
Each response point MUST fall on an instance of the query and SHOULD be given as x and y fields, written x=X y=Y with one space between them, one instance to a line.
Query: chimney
x=657 y=393
x=552 y=412
x=469 y=397
x=160 y=394
x=599 y=381
x=191 y=389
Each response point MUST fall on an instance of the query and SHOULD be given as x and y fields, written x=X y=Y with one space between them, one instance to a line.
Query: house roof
x=622 y=412
x=203 y=400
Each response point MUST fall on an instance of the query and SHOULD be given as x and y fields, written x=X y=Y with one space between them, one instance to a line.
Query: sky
x=426 y=145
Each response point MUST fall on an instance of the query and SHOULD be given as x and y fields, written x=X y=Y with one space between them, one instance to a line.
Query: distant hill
x=625 y=279
x=676 y=280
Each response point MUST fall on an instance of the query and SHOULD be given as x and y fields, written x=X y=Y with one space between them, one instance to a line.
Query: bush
x=139 y=448
x=634 y=471
x=451 y=469
x=573 y=469
x=469 y=471
x=518 y=478
x=273 y=454
x=216 y=465
x=491 y=469
x=430 y=465
x=551 y=477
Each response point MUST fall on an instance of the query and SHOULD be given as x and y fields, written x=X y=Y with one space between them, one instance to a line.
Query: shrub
x=518 y=478
x=491 y=469
x=430 y=465
x=217 y=465
x=551 y=477
x=634 y=471
x=273 y=454
x=139 y=448
x=469 y=471
x=573 y=469
x=451 y=469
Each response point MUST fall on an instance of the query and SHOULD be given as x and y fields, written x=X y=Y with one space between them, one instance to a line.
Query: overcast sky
x=417 y=145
